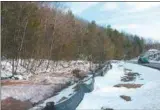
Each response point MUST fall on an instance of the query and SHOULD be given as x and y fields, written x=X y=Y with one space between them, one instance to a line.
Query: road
x=152 y=65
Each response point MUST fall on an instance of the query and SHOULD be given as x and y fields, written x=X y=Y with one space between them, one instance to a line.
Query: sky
x=141 y=18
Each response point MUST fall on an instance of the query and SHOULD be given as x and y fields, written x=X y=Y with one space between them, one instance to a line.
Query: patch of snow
x=146 y=97
x=89 y=81
x=148 y=74
x=34 y=68
x=153 y=50
x=5 y=74
x=67 y=93
x=19 y=77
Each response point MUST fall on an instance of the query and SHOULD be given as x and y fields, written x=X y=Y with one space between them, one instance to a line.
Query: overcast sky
x=141 y=18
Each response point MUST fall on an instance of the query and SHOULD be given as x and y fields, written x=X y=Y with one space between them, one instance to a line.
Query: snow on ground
x=37 y=71
x=66 y=93
x=38 y=67
x=107 y=96
x=46 y=82
x=33 y=93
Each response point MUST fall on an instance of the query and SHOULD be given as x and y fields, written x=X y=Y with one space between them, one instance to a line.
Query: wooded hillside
x=40 y=30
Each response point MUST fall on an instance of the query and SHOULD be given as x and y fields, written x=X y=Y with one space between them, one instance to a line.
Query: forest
x=44 y=30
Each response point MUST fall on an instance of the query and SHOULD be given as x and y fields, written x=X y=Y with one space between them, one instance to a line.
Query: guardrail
x=102 y=69
x=72 y=102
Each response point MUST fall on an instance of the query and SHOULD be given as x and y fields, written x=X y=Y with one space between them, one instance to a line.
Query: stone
x=126 y=98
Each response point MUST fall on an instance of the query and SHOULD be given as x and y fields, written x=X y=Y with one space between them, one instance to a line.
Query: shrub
x=78 y=73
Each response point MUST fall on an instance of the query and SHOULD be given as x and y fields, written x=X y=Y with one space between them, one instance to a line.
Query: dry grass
x=14 y=82
x=129 y=85
x=130 y=76
x=13 y=104
x=126 y=98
